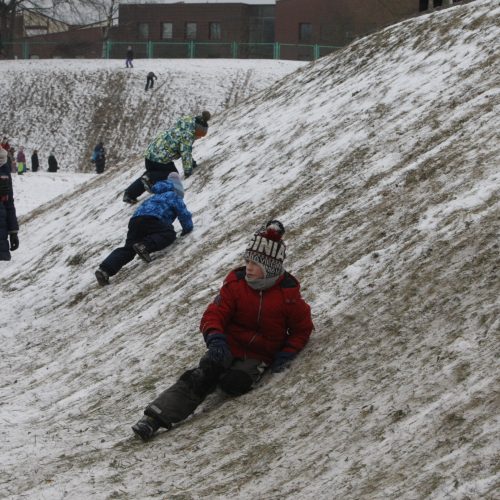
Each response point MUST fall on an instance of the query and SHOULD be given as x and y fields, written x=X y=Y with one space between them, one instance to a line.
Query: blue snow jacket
x=8 y=219
x=166 y=205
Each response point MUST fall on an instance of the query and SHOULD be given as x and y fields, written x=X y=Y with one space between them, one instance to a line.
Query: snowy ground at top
x=382 y=162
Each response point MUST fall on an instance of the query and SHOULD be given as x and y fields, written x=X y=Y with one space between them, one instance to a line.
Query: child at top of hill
x=8 y=219
x=151 y=227
x=258 y=321
x=176 y=142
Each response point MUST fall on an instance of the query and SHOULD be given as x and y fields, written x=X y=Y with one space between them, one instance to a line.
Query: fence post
x=106 y=49
x=150 y=49
x=234 y=50
x=316 y=51
x=191 y=49
x=277 y=50
x=25 y=49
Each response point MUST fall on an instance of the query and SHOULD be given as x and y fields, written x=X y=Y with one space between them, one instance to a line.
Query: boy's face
x=254 y=271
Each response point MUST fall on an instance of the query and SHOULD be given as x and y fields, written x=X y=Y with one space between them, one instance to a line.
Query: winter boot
x=128 y=199
x=102 y=277
x=142 y=251
x=147 y=183
x=146 y=427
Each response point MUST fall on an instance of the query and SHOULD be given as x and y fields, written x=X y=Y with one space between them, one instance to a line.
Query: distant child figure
x=258 y=322
x=176 y=142
x=8 y=219
x=130 y=57
x=151 y=227
x=99 y=157
x=34 y=161
x=11 y=160
x=53 y=166
x=21 y=161
x=150 y=80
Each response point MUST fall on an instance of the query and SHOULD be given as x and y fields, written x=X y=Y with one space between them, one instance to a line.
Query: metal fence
x=28 y=49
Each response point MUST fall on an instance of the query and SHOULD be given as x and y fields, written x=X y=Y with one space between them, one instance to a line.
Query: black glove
x=282 y=360
x=186 y=231
x=218 y=355
x=194 y=165
x=14 y=241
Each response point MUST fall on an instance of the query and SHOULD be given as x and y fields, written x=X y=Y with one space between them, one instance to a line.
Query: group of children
x=257 y=323
x=17 y=161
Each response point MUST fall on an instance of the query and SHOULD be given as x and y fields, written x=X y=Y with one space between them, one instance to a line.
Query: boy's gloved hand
x=282 y=360
x=14 y=241
x=218 y=353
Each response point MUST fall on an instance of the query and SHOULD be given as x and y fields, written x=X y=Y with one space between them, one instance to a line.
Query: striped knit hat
x=267 y=249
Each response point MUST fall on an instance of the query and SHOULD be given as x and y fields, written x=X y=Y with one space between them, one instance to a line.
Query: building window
x=305 y=32
x=190 y=31
x=167 y=31
x=143 y=30
x=214 y=31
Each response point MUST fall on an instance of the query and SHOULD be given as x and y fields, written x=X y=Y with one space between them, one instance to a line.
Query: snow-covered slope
x=382 y=161
x=66 y=106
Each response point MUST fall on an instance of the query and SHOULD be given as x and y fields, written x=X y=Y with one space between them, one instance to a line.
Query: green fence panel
x=109 y=49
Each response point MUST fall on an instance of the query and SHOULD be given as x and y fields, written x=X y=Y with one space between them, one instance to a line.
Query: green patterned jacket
x=175 y=143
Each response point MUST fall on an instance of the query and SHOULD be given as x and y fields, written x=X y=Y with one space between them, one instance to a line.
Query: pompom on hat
x=201 y=124
x=175 y=179
x=267 y=248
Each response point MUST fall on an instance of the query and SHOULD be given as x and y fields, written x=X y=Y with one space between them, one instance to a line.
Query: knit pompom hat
x=267 y=249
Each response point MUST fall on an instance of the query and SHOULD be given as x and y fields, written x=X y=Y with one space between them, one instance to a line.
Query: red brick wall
x=337 y=22
x=232 y=17
x=86 y=43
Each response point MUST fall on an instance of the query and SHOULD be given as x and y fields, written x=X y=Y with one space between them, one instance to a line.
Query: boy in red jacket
x=258 y=321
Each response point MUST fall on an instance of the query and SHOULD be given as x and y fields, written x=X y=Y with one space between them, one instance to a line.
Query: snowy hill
x=382 y=161
x=66 y=106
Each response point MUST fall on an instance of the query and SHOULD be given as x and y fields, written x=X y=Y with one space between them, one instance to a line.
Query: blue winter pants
x=154 y=233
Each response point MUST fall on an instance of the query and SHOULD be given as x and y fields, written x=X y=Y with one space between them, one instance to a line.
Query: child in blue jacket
x=151 y=227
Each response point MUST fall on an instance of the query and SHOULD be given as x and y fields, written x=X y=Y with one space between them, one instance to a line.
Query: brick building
x=216 y=24
x=291 y=29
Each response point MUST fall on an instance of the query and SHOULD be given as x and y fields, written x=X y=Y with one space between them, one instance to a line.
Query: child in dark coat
x=258 y=321
x=34 y=161
x=151 y=227
x=53 y=166
x=8 y=220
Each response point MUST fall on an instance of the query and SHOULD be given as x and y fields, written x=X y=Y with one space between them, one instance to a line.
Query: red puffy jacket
x=258 y=324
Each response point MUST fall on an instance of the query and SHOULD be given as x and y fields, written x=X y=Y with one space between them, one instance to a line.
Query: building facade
x=291 y=29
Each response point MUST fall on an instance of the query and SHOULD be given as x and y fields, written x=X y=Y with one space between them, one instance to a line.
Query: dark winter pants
x=182 y=398
x=100 y=165
x=154 y=233
x=4 y=234
x=156 y=172
x=149 y=82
